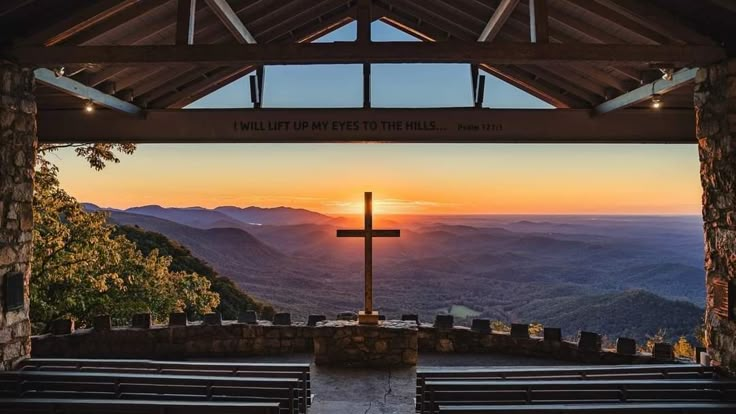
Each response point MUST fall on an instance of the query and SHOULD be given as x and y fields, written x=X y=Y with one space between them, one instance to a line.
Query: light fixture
x=59 y=71
x=656 y=101
x=89 y=106
x=667 y=73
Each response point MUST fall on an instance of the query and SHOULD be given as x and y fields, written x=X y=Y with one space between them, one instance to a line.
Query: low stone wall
x=346 y=343
x=231 y=339
x=341 y=342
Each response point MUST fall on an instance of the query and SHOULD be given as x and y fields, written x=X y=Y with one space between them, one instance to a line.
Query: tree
x=96 y=154
x=81 y=269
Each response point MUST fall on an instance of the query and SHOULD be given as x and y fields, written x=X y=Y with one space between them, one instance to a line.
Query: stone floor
x=362 y=391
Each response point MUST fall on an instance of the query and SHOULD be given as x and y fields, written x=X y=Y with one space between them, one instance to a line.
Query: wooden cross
x=368 y=316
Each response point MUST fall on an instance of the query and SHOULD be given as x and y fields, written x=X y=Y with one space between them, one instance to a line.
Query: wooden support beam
x=82 y=91
x=364 y=19
x=448 y=125
x=230 y=19
x=77 y=22
x=186 y=11
x=384 y=52
x=497 y=20
x=538 y=21
x=660 y=87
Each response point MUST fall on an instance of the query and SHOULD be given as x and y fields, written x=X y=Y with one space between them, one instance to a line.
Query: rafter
x=78 y=21
x=497 y=20
x=538 y=21
x=230 y=19
x=660 y=87
x=385 y=52
x=186 y=11
x=82 y=91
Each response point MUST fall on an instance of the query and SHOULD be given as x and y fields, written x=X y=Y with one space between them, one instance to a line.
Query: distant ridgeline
x=232 y=299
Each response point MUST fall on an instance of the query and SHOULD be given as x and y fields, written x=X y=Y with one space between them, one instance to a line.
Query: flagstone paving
x=383 y=391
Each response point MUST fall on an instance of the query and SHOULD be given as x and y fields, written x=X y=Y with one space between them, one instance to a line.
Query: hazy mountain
x=574 y=273
x=277 y=215
x=634 y=314
x=194 y=216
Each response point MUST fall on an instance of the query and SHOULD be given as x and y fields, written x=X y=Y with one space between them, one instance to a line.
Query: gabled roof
x=564 y=85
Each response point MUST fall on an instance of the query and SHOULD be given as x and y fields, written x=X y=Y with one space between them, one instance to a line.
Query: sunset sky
x=416 y=178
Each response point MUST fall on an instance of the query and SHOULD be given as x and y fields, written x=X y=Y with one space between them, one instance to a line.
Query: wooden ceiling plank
x=656 y=17
x=9 y=6
x=82 y=91
x=230 y=19
x=497 y=20
x=77 y=22
x=538 y=21
x=646 y=33
x=437 y=20
x=298 y=19
x=725 y=4
x=92 y=33
x=660 y=87
x=186 y=11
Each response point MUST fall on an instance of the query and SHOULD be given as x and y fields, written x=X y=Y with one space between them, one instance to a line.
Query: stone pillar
x=17 y=157
x=715 y=108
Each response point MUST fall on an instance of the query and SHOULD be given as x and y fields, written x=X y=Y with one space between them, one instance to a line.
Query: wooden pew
x=84 y=385
x=663 y=371
x=628 y=408
x=275 y=370
x=456 y=393
x=54 y=406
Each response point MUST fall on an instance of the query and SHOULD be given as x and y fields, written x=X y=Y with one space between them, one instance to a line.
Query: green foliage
x=232 y=299
x=499 y=326
x=82 y=269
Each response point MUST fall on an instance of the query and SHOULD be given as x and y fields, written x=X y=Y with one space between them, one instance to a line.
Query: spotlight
x=668 y=74
x=656 y=101
x=59 y=71
x=89 y=106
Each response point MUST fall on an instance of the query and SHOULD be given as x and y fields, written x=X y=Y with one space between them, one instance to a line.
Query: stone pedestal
x=350 y=344
x=17 y=157
x=368 y=318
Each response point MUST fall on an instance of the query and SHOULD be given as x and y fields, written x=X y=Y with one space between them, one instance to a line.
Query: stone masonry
x=347 y=343
x=17 y=157
x=715 y=109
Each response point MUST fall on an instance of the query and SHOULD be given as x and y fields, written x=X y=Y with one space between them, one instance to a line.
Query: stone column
x=715 y=107
x=17 y=157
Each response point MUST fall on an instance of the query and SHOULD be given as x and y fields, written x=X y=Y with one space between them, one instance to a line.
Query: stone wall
x=346 y=343
x=195 y=340
x=17 y=157
x=715 y=108
x=460 y=339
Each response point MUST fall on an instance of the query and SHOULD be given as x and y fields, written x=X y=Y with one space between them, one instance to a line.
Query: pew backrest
x=92 y=406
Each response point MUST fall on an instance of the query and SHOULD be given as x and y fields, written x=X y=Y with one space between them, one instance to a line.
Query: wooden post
x=364 y=37
x=368 y=253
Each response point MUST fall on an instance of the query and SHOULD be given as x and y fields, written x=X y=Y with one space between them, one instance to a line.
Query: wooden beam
x=538 y=21
x=230 y=19
x=384 y=52
x=76 y=22
x=186 y=10
x=497 y=20
x=82 y=91
x=442 y=125
x=364 y=20
x=660 y=87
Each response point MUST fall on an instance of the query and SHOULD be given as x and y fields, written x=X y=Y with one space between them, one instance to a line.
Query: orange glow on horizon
x=404 y=179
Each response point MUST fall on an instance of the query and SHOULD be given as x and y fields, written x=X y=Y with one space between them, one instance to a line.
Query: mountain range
x=620 y=275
